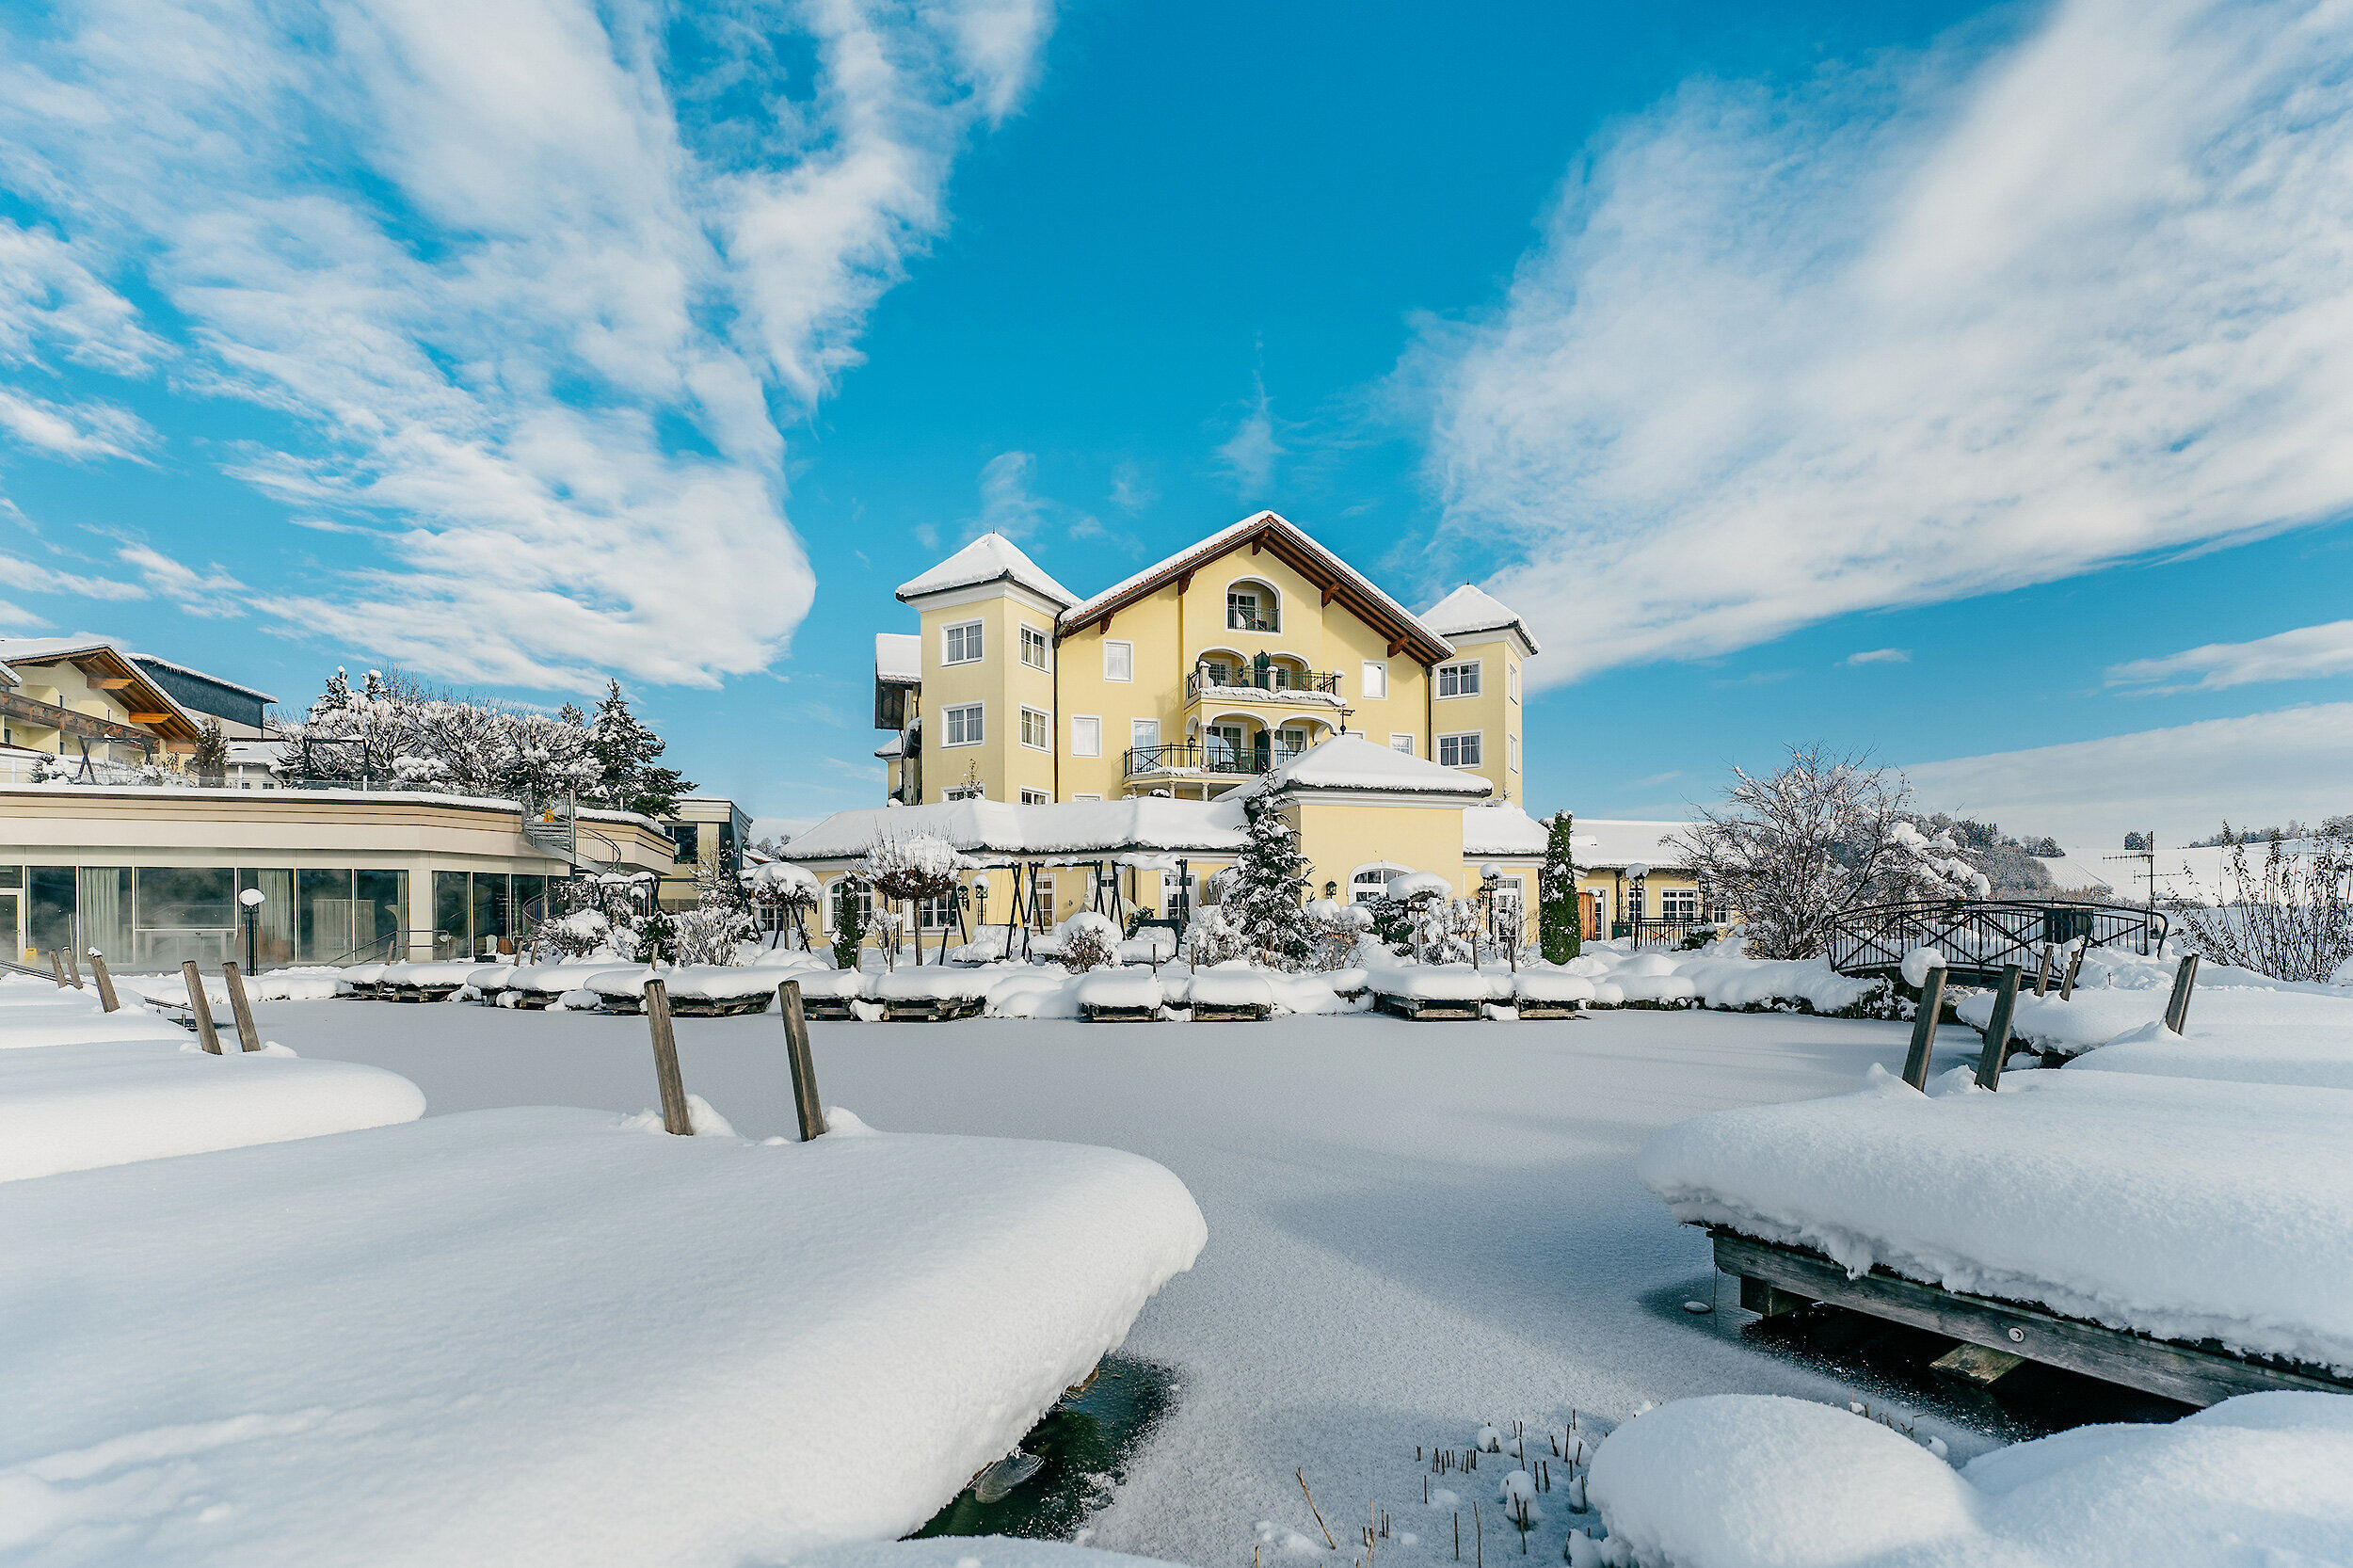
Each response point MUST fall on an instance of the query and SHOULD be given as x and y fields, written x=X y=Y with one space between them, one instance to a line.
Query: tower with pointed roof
x=1476 y=698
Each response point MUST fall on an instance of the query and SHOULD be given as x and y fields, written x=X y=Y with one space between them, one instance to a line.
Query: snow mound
x=77 y=1107
x=1745 y=1481
x=1119 y=988
x=538 y=1336
x=930 y=985
x=2183 y=1209
x=1553 y=986
x=1236 y=985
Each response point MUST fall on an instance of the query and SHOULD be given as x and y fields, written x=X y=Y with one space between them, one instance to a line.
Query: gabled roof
x=990 y=558
x=178 y=722
x=899 y=658
x=1352 y=762
x=184 y=669
x=1469 y=611
x=1284 y=540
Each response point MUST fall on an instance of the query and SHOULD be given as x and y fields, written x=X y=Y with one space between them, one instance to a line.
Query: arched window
x=1367 y=883
x=1253 y=605
x=843 y=893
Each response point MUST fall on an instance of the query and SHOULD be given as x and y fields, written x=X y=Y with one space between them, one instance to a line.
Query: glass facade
x=157 y=917
x=451 y=915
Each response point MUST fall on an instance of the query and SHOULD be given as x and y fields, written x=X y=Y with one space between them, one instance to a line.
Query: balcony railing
x=1192 y=756
x=1243 y=620
x=1276 y=683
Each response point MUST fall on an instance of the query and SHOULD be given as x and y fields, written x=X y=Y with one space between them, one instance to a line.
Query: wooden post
x=201 y=1005
x=2177 y=1007
x=56 y=966
x=1998 y=1029
x=107 y=1000
x=1924 y=1028
x=675 y=1119
x=2050 y=958
x=74 y=969
x=2074 y=962
x=248 y=1036
x=807 y=1107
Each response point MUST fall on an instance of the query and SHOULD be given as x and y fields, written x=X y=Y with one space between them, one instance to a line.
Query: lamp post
x=252 y=898
x=1640 y=903
x=1490 y=882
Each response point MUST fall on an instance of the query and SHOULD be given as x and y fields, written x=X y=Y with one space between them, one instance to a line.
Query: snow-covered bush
x=573 y=936
x=1214 y=938
x=2288 y=915
x=1089 y=941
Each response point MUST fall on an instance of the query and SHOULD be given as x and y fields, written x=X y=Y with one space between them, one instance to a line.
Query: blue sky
x=1963 y=386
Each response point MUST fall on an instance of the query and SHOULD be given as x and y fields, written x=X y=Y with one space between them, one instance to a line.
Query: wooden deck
x=1995 y=1335
x=1422 y=1009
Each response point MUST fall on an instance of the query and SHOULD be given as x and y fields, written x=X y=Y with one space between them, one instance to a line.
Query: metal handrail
x=1193 y=757
x=1320 y=683
x=1984 y=935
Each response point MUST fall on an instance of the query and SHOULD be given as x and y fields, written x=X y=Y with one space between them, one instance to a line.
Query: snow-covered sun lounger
x=362 y=979
x=695 y=991
x=936 y=995
x=2184 y=1209
x=829 y=993
x=1229 y=995
x=551 y=1336
x=434 y=981
x=76 y=1107
x=532 y=986
x=1550 y=993
x=1439 y=991
x=1120 y=995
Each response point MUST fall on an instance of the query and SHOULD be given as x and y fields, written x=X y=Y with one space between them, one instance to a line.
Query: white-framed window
x=1514 y=745
x=1037 y=729
x=1032 y=648
x=936 y=914
x=1041 y=903
x=1036 y=797
x=1460 y=678
x=1679 y=905
x=1251 y=607
x=1144 y=734
x=1119 y=660
x=961 y=643
x=1086 y=735
x=844 y=894
x=1376 y=680
x=1372 y=882
x=960 y=726
x=1459 y=751
x=964 y=791
x=1400 y=740
x=1511 y=681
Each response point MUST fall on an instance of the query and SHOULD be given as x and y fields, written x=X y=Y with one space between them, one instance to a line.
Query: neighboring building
x=88 y=704
x=709 y=834
x=148 y=875
x=1192 y=679
x=1629 y=872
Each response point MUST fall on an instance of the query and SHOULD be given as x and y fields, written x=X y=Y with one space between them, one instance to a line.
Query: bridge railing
x=1984 y=935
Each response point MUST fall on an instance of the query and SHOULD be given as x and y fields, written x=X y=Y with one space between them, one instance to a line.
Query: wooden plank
x=1975 y=1364
x=1768 y=1300
x=676 y=1120
x=1924 y=1028
x=107 y=1000
x=200 y=1006
x=2177 y=1005
x=806 y=1109
x=1997 y=1031
x=2191 y=1373
x=247 y=1036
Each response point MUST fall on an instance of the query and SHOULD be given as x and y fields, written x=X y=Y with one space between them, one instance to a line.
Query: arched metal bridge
x=1979 y=936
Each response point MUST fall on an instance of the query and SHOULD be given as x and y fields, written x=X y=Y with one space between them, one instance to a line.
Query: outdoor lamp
x=252 y=899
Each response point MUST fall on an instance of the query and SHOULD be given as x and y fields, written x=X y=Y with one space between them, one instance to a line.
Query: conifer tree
x=1270 y=885
x=210 y=762
x=1559 y=928
x=625 y=751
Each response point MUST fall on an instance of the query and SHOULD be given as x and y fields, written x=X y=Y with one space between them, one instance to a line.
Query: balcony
x=1191 y=759
x=1277 y=684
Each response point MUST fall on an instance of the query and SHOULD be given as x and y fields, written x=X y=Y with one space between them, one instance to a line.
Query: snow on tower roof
x=1354 y=762
x=990 y=558
x=899 y=656
x=1469 y=610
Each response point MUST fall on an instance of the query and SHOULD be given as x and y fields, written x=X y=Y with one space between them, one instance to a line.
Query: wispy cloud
x=1879 y=656
x=17 y=618
x=1945 y=324
x=478 y=256
x=1011 y=506
x=32 y=577
x=2303 y=654
x=212 y=592
x=1248 y=455
x=2184 y=780
x=1129 y=491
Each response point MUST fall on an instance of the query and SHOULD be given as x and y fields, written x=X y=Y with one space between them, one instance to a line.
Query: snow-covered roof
x=1597 y=844
x=993 y=829
x=899 y=656
x=187 y=669
x=1501 y=827
x=45 y=650
x=1352 y=763
x=892 y=749
x=990 y=558
x=1285 y=536
x=1469 y=610
x=9 y=677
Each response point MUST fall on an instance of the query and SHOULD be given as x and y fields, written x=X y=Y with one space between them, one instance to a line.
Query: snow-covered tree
x=209 y=763
x=1794 y=853
x=1561 y=926
x=912 y=866
x=626 y=753
x=1267 y=895
x=547 y=759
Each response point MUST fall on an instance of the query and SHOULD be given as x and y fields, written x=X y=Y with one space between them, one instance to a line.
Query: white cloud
x=1248 y=455
x=1131 y=493
x=82 y=429
x=199 y=593
x=1939 y=326
x=32 y=577
x=1880 y=656
x=1009 y=504
x=480 y=253
x=2185 y=781
x=17 y=618
x=2307 y=652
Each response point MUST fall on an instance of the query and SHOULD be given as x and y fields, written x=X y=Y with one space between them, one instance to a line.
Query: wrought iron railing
x=1274 y=680
x=1243 y=620
x=1195 y=757
x=1979 y=937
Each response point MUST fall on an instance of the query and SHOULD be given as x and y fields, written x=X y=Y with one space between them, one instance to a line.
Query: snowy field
x=1414 y=1229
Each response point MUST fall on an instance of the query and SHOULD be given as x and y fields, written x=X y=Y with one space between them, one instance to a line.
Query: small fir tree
x=210 y=764
x=1270 y=886
x=625 y=752
x=1560 y=931
x=848 y=924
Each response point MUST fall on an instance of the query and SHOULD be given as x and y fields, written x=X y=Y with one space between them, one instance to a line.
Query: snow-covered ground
x=1413 y=1227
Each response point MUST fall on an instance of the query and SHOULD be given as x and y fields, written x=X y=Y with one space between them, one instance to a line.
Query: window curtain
x=103 y=894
